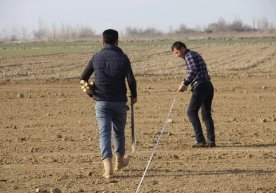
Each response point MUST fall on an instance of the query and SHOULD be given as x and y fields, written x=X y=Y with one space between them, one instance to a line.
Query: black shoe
x=197 y=144
x=212 y=144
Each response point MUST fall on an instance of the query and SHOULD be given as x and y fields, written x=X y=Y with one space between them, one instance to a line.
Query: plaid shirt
x=196 y=67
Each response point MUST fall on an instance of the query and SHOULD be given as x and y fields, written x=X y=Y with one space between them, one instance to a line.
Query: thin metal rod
x=156 y=144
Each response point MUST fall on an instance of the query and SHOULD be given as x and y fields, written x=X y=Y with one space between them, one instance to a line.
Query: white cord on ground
x=156 y=144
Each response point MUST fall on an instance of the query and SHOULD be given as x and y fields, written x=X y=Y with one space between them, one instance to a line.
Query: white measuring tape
x=156 y=144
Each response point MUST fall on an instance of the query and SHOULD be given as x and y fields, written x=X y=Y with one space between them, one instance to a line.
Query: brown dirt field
x=49 y=136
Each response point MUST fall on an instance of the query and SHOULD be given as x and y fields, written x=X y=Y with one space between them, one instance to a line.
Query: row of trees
x=238 y=26
x=83 y=32
x=44 y=33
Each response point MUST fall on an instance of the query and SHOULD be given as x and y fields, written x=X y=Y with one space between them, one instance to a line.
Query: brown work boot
x=108 y=169
x=121 y=161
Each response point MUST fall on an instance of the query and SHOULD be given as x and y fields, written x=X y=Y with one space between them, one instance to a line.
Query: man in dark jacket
x=202 y=93
x=111 y=67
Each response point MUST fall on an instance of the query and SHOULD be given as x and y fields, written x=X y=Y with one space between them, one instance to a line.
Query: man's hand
x=133 y=100
x=182 y=87
x=86 y=87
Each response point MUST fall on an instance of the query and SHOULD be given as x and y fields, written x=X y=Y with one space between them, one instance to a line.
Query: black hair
x=178 y=45
x=110 y=36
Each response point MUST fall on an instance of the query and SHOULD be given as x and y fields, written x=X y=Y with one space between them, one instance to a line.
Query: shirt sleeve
x=192 y=69
x=131 y=80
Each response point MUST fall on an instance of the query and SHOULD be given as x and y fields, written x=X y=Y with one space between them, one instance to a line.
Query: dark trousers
x=202 y=96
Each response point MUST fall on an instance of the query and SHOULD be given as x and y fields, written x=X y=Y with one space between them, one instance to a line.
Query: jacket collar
x=186 y=51
x=112 y=46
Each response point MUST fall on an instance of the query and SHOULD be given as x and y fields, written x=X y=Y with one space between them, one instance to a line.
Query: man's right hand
x=86 y=87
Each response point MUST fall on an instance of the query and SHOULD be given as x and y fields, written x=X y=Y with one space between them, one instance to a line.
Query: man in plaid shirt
x=202 y=93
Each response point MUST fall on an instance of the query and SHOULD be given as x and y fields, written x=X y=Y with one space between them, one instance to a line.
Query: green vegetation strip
x=46 y=48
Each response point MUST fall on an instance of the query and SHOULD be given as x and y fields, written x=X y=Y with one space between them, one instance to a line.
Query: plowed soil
x=49 y=134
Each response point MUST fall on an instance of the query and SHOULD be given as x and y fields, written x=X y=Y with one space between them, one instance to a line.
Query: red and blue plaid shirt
x=196 y=67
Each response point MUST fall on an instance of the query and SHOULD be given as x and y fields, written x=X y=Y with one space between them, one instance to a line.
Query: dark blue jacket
x=111 y=67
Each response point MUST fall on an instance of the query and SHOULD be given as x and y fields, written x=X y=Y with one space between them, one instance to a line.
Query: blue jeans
x=111 y=118
x=202 y=97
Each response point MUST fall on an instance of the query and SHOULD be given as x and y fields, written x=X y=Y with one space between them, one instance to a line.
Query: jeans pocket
x=195 y=86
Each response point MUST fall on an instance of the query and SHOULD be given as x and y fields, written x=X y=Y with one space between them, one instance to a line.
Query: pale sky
x=119 y=14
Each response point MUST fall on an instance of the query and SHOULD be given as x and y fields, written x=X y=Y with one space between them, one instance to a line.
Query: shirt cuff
x=186 y=83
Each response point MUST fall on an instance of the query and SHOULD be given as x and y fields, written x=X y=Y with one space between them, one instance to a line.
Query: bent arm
x=192 y=70
x=88 y=71
x=131 y=81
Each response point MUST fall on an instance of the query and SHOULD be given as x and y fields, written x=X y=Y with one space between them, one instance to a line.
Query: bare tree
x=184 y=29
x=222 y=26
x=41 y=33
x=86 y=32
x=142 y=32
x=262 y=23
